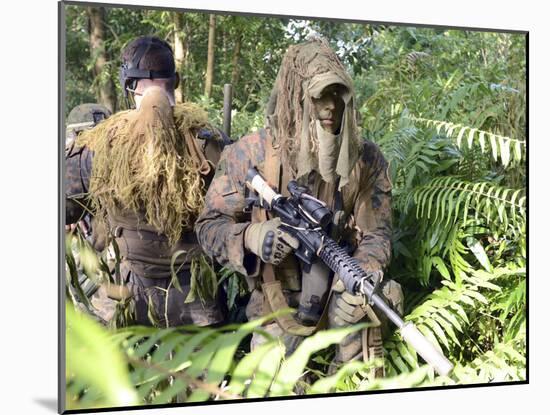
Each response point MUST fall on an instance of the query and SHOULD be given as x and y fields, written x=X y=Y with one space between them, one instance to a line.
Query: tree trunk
x=235 y=68
x=181 y=52
x=210 y=60
x=105 y=87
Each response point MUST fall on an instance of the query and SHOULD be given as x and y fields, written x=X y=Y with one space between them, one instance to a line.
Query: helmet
x=158 y=64
x=85 y=116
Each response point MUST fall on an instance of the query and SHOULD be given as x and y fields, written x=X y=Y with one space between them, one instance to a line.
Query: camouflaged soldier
x=145 y=173
x=84 y=117
x=311 y=136
x=81 y=118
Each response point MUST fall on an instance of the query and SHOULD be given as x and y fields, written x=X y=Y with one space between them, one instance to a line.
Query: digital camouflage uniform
x=360 y=198
x=145 y=251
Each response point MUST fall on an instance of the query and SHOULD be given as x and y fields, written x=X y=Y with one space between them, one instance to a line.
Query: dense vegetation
x=447 y=107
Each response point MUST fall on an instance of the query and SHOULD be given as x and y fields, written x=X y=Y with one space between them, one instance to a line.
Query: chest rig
x=283 y=284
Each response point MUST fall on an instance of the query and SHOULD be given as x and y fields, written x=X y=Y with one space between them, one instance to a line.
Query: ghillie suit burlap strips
x=147 y=161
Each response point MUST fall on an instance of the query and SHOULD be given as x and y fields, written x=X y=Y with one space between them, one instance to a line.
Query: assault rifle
x=306 y=218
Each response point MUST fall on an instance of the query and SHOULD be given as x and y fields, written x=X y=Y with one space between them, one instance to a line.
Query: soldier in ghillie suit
x=311 y=136
x=144 y=173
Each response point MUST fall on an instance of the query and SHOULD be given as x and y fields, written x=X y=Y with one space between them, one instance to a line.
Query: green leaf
x=448 y=329
x=517 y=151
x=246 y=367
x=227 y=346
x=441 y=267
x=292 y=369
x=460 y=134
x=438 y=331
x=168 y=345
x=471 y=137
x=408 y=354
x=445 y=165
x=451 y=318
x=494 y=146
x=482 y=141
x=146 y=346
x=467 y=300
x=182 y=357
x=395 y=358
x=504 y=150
x=94 y=359
x=266 y=373
x=477 y=249
x=327 y=384
x=173 y=272
x=477 y=296
x=178 y=386
x=460 y=311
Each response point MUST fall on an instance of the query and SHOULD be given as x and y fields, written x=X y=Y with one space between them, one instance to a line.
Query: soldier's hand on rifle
x=350 y=308
x=268 y=241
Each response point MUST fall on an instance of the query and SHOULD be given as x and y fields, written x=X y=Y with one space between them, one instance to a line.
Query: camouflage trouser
x=359 y=345
x=156 y=302
x=104 y=306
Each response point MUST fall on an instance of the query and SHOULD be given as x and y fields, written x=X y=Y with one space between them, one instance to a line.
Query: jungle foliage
x=448 y=109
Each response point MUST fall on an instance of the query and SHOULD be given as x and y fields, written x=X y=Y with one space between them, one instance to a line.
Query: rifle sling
x=271 y=287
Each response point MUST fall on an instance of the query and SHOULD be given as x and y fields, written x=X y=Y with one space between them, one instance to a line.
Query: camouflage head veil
x=147 y=161
x=305 y=71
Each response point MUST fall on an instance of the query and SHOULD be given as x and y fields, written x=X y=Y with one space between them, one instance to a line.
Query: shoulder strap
x=197 y=154
x=271 y=287
x=271 y=172
x=272 y=164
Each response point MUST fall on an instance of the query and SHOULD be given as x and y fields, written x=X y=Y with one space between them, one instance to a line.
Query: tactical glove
x=269 y=242
x=350 y=308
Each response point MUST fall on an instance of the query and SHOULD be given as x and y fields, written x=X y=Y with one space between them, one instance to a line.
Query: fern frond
x=455 y=198
x=502 y=363
x=501 y=146
x=442 y=318
x=194 y=364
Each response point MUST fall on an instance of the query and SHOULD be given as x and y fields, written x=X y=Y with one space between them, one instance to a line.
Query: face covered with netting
x=311 y=113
